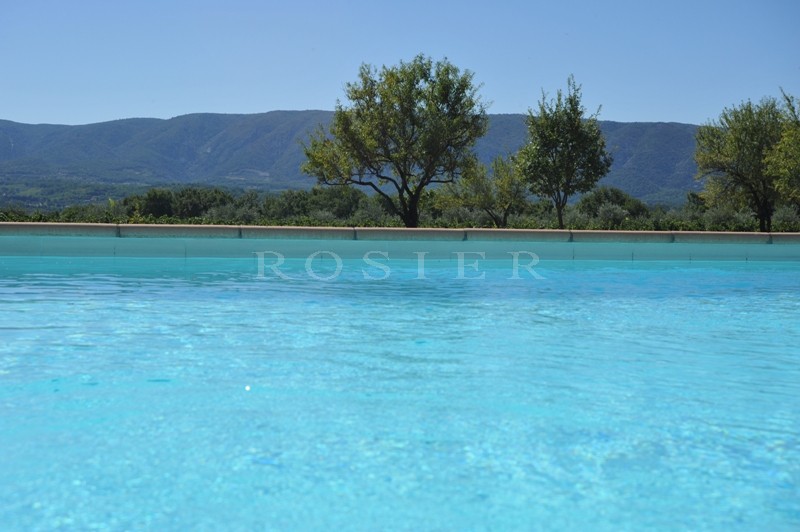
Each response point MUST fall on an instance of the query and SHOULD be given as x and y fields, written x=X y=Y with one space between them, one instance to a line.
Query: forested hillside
x=50 y=166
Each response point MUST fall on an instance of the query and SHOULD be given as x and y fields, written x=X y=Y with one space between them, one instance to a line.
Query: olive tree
x=566 y=152
x=498 y=194
x=784 y=159
x=405 y=128
x=732 y=154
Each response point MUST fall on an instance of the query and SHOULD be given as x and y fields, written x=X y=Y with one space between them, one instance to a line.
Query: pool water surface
x=204 y=394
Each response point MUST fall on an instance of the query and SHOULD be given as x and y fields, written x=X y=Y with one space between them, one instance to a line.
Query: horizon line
x=199 y=113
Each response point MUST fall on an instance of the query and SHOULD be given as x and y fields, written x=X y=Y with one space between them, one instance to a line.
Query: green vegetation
x=731 y=155
x=49 y=167
x=566 y=152
x=407 y=127
x=749 y=158
x=417 y=138
x=784 y=159
x=603 y=208
x=499 y=194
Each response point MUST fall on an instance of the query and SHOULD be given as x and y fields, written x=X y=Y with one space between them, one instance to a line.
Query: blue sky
x=86 y=61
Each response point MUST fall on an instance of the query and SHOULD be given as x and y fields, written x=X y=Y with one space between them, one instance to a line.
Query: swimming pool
x=207 y=392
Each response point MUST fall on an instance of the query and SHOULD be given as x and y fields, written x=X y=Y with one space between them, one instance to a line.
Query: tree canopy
x=565 y=153
x=732 y=153
x=784 y=159
x=498 y=194
x=592 y=202
x=406 y=127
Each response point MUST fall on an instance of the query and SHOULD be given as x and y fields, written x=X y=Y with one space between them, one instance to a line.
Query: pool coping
x=388 y=233
x=31 y=239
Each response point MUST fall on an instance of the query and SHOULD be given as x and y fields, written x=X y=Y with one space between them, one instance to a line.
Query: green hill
x=49 y=166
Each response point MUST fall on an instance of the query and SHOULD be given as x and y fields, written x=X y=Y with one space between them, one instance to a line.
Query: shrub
x=786 y=219
x=611 y=216
x=575 y=219
x=727 y=219
x=591 y=202
x=341 y=201
x=194 y=202
x=157 y=203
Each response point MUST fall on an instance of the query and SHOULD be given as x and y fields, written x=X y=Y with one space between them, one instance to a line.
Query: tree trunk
x=495 y=218
x=764 y=217
x=560 y=211
x=411 y=215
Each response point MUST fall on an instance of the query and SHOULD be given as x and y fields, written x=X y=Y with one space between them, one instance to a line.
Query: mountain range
x=49 y=166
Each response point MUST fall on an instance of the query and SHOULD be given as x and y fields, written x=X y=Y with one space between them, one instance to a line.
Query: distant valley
x=50 y=166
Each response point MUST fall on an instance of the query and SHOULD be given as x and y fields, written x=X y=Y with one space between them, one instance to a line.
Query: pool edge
x=168 y=240
x=384 y=233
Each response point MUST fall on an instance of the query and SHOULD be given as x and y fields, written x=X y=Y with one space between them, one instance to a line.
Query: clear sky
x=85 y=61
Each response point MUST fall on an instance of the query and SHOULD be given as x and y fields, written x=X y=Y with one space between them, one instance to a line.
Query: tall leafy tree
x=566 y=151
x=732 y=152
x=784 y=159
x=406 y=127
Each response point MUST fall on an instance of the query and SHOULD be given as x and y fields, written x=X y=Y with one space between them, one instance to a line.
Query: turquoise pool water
x=172 y=394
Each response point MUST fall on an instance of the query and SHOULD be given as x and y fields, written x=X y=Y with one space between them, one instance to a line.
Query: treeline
x=602 y=208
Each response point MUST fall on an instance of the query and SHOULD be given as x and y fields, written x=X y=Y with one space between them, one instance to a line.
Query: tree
x=733 y=150
x=288 y=204
x=590 y=203
x=407 y=127
x=566 y=152
x=498 y=194
x=342 y=202
x=784 y=159
x=157 y=202
x=194 y=202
